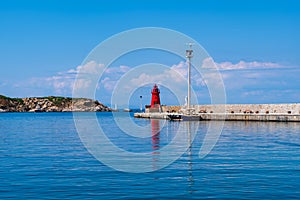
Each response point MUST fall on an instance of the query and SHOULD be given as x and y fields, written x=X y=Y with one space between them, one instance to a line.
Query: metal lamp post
x=189 y=55
x=141 y=105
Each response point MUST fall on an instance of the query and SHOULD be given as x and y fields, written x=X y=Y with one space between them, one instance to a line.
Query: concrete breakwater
x=229 y=117
x=152 y=115
x=241 y=108
x=236 y=112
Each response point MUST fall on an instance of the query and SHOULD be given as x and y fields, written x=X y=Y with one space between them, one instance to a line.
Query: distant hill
x=51 y=104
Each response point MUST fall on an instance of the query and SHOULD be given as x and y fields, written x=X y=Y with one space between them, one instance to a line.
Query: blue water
x=42 y=157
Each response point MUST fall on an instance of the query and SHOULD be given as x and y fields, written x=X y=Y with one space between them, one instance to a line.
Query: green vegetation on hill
x=4 y=97
x=58 y=100
x=19 y=100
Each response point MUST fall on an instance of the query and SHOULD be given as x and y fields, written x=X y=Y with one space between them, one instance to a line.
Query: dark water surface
x=42 y=157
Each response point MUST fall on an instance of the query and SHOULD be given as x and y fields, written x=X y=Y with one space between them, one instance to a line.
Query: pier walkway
x=278 y=117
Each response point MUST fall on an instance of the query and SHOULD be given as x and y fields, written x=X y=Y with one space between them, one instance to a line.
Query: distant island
x=51 y=104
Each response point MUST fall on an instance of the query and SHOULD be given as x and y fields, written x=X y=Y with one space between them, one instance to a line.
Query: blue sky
x=41 y=41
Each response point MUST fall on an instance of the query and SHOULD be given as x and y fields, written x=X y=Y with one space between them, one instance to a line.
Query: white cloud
x=120 y=69
x=209 y=63
x=247 y=65
x=89 y=68
x=180 y=68
x=108 y=83
x=243 y=80
x=177 y=74
x=63 y=83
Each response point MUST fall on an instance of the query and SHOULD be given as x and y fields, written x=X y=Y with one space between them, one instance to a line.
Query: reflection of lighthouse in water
x=155 y=130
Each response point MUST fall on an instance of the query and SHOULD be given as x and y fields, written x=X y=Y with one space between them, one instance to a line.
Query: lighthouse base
x=149 y=109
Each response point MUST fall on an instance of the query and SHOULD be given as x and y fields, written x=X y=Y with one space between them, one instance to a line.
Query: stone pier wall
x=242 y=108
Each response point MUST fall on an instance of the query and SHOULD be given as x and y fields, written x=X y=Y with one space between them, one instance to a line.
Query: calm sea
x=42 y=157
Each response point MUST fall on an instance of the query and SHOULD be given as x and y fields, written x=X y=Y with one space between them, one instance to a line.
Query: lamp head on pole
x=189 y=52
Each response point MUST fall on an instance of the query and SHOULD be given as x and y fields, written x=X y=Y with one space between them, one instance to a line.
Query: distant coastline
x=51 y=104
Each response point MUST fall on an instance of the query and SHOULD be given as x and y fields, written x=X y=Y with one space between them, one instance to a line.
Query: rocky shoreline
x=51 y=104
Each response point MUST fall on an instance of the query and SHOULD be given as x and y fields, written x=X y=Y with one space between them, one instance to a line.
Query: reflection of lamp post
x=141 y=106
x=190 y=162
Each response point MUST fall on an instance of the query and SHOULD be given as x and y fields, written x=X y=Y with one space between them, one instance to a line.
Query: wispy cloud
x=244 y=81
x=117 y=70
x=176 y=74
x=241 y=65
x=247 y=65
x=62 y=83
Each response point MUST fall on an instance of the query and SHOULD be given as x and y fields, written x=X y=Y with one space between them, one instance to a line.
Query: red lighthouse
x=155 y=100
